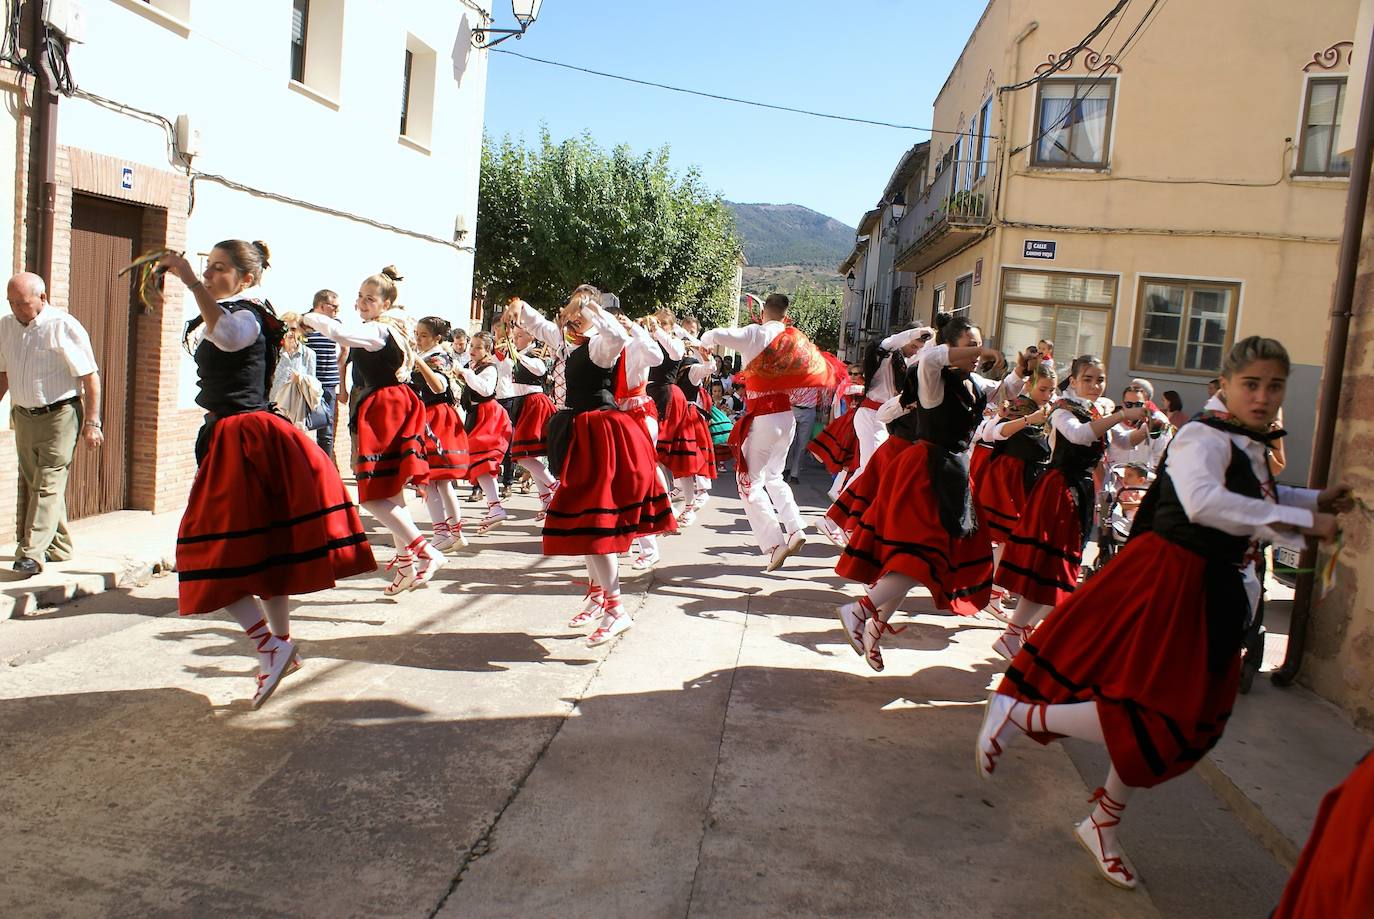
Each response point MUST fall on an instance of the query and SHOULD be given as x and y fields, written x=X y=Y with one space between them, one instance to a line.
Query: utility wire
x=720 y=98
x=1067 y=57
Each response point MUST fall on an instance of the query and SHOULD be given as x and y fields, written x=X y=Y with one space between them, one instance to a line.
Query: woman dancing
x=1145 y=657
x=446 y=441
x=267 y=516
x=387 y=422
x=488 y=426
x=533 y=409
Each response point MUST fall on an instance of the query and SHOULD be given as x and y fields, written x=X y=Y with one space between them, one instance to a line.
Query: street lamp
x=849 y=280
x=525 y=12
x=898 y=208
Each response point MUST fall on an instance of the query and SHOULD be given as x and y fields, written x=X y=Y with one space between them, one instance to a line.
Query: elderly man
x=45 y=361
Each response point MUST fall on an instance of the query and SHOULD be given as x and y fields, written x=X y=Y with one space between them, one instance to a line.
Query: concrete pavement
x=462 y=753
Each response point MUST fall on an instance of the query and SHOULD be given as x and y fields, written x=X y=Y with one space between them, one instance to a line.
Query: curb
x=1250 y=814
x=111 y=575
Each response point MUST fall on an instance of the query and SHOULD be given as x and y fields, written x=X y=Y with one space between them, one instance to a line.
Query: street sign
x=126 y=179
x=1039 y=248
x=977 y=272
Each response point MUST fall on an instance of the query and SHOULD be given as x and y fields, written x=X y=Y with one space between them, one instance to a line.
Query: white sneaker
x=442 y=540
x=687 y=517
x=1115 y=869
x=852 y=621
x=610 y=627
x=405 y=575
x=785 y=551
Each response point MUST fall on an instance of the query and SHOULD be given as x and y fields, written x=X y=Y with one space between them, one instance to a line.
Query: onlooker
x=1213 y=385
x=460 y=347
x=1139 y=442
x=45 y=361
x=805 y=402
x=329 y=357
x=1174 y=403
x=296 y=390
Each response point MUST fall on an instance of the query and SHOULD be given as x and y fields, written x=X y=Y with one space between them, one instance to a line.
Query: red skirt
x=268 y=516
x=679 y=444
x=1335 y=873
x=1000 y=493
x=1044 y=552
x=446 y=443
x=528 y=439
x=389 y=442
x=977 y=462
x=706 y=447
x=1133 y=639
x=860 y=491
x=901 y=532
x=489 y=436
x=837 y=446
x=609 y=491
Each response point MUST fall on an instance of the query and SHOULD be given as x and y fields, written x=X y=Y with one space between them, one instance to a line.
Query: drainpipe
x=1347 y=265
x=45 y=99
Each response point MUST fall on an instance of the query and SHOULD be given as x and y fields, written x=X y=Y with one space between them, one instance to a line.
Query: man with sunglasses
x=1139 y=442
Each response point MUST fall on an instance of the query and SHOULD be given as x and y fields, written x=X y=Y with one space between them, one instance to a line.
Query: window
x=963 y=294
x=417 y=93
x=955 y=153
x=1184 y=326
x=1072 y=310
x=1321 y=129
x=300 y=16
x=984 y=117
x=1073 y=123
x=937 y=302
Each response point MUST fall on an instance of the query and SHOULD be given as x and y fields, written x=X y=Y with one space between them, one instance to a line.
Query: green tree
x=562 y=214
x=816 y=311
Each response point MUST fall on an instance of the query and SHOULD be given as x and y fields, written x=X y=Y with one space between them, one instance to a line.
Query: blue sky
x=879 y=59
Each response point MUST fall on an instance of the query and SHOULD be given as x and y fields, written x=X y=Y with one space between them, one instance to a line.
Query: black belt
x=45 y=409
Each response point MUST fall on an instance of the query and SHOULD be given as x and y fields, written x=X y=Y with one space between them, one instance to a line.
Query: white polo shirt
x=44 y=358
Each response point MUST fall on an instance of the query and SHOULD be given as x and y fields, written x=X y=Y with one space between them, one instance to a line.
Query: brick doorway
x=106 y=236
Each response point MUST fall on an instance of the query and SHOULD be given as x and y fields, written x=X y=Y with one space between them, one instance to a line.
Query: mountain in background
x=787 y=243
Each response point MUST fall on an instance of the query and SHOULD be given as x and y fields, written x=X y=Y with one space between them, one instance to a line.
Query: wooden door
x=105 y=238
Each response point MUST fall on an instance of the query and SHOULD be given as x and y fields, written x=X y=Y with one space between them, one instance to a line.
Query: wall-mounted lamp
x=460 y=228
x=849 y=280
x=898 y=207
x=525 y=12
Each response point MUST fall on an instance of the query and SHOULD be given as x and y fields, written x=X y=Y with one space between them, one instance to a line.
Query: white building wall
x=227 y=65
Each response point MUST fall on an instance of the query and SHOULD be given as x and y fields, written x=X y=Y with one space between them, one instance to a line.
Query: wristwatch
x=92 y=424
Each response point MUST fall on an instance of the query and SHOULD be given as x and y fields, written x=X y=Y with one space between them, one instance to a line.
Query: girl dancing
x=488 y=427
x=446 y=442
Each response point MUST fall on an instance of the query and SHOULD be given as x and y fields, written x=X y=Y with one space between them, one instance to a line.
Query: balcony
x=950 y=214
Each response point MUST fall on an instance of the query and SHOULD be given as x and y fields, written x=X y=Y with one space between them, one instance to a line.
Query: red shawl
x=791 y=361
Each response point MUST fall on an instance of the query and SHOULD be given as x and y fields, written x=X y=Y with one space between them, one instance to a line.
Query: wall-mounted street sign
x=126 y=179
x=1039 y=248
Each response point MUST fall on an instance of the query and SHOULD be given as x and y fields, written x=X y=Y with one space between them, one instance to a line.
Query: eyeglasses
x=1133 y=404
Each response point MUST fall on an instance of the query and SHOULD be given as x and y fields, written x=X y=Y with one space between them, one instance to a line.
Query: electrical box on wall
x=188 y=137
x=66 y=17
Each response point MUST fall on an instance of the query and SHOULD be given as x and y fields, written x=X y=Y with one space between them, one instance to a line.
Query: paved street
x=462 y=753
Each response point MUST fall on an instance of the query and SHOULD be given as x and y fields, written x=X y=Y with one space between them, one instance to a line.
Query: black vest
x=523 y=376
x=589 y=388
x=684 y=378
x=427 y=395
x=1161 y=512
x=1075 y=460
x=1031 y=445
x=950 y=425
x=660 y=379
x=374 y=370
x=471 y=398
x=233 y=382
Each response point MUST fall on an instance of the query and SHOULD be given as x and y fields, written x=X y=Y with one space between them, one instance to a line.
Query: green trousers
x=45 y=444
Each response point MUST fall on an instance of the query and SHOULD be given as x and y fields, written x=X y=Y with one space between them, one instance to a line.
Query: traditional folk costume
x=1015 y=464
x=1335 y=873
x=532 y=411
x=1152 y=644
x=1044 y=553
x=267 y=515
x=777 y=359
x=922 y=526
x=489 y=435
x=836 y=447
x=691 y=376
x=609 y=491
x=446 y=449
x=388 y=426
x=641 y=356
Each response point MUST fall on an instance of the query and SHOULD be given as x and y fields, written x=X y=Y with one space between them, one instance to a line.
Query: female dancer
x=1145 y=658
x=1044 y=552
x=641 y=354
x=1020 y=454
x=697 y=367
x=388 y=424
x=488 y=426
x=267 y=516
x=921 y=526
x=609 y=491
x=533 y=409
x=446 y=442
x=836 y=447
x=679 y=444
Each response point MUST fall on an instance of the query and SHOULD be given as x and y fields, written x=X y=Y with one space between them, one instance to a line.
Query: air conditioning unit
x=66 y=17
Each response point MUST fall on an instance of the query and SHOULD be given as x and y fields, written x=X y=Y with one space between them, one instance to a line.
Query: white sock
x=539 y=472
x=889 y=592
x=278 y=615
x=395 y=517
x=488 y=485
x=448 y=497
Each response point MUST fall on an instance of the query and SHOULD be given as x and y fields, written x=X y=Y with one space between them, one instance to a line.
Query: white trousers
x=870 y=433
x=768 y=501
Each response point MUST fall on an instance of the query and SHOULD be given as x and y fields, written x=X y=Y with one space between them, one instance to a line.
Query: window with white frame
x=1184 y=326
x=982 y=145
x=316 y=61
x=963 y=295
x=937 y=302
x=417 y=91
x=1073 y=123
x=1321 y=129
x=300 y=18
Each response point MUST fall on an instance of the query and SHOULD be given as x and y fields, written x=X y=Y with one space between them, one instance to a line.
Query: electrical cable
x=720 y=98
x=1067 y=57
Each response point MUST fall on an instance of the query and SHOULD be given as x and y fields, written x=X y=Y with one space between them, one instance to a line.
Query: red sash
x=764 y=404
x=870 y=403
x=622 y=387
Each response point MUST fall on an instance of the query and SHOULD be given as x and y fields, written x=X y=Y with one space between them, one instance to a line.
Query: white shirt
x=535 y=366
x=1077 y=432
x=931 y=385
x=482 y=382
x=749 y=340
x=641 y=353
x=45 y=358
x=505 y=388
x=547 y=331
x=1146 y=453
x=884 y=386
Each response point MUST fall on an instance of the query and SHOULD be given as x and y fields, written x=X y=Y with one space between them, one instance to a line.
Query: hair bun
x=942 y=319
x=265 y=252
x=391 y=271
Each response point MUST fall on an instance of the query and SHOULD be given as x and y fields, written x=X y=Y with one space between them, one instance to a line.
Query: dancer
x=641 y=354
x=680 y=446
x=446 y=442
x=836 y=447
x=267 y=516
x=1020 y=454
x=609 y=491
x=1335 y=873
x=532 y=411
x=697 y=367
x=922 y=526
x=777 y=359
x=387 y=422
x=1043 y=555
x=1145 y=658
x=488 y=426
